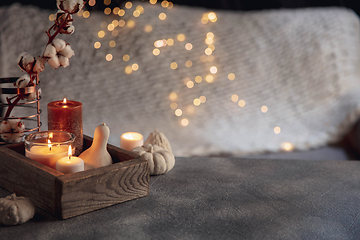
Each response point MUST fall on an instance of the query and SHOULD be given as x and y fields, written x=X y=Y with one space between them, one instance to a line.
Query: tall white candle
x=47 y=155
x=70 y=164
x=131 y=140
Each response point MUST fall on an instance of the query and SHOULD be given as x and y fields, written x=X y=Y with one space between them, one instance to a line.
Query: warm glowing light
x=49 y=144
x=162 y=16
x=107 y=11
x=203 y=58
x=156 y=51
x=173 y=65
x=209 y=78
x=173 y=96
x=160 y=43
x=202 y=99
x=135 y=67
x=115 y=33
x=198 y=79
x=208 y=51
x=130 y=23
x=116 y=10
x=178 y=112
x=170 y=41
x=181 y=37
x=196 y=102
x=148 y=28
x=101 y=34
x=190 y=84
x=210 y=35
x=210 y=58
x=264 y=109
x=51 y=17
x=121 y=12
x=121 y=23
x=171 y=5
x=92 y=3
x=213 y=70
x=69 y=152
x=126 y=57
x=128 y=70
x=277 y=130
x=110 y=27
x=231 y=76
x=211 y=16
x=64 y=101
x=184 y=122
x=209 y=41
x=188 y=46
x=204 y=19
x=234 y=98
x=287 y=146
x=153 y=1
x=212 y=47
x=164 y=4
x=188 y=63
x=115 y=23
x=97 y=45
x=86 y=14
x=173 y=105
x=112 y=43
x=107 y=2
x=79 y=13
x=136 y=13
x=128 y=5
x=109 y=57
x=241 y=103
x=140 y=9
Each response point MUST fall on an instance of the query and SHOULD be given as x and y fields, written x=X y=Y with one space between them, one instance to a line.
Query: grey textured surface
x=218 y=198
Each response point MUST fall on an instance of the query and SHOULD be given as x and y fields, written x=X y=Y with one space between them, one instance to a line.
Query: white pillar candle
x=47 y=155
x=70 y=164
x=131 y=140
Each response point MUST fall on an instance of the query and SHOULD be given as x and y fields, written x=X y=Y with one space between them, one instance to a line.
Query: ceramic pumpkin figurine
x=160 y=160
x=16 y=210
x=158 y=138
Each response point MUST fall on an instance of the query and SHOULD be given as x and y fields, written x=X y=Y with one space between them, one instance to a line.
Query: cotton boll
x=54 y=62
x=67 y=51
x=19 y=127
x=16 y=138
x=32 y=96
x=70 y=6
x=70 y=29
x=39 y=64
x=6 y=136
x=50 y=51
x=5 y=127
x=23 y=81
x=25 y=61
x=59 y=44
x=13 y=122
x=64 y=61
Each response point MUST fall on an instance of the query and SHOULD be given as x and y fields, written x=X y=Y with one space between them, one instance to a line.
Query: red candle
x=67 y=116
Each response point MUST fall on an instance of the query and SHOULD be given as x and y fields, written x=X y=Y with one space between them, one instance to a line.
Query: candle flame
x=64 y=101
x=49 y=144
x=69 y=152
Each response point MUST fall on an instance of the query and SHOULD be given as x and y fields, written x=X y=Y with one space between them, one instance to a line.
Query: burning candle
x=70 y=164
x=131 y=140
x=66 y=116
x=47 y=147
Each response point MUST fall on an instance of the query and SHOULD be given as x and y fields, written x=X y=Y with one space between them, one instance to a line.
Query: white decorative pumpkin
x=16 y=210
x=158 y=138
x=160 y=160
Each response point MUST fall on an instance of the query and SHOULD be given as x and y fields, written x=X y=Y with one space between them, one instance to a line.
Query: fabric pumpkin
x=16 y=210
x=160 y=160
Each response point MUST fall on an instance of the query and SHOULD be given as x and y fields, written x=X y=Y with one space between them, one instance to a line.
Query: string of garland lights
x=136 y=9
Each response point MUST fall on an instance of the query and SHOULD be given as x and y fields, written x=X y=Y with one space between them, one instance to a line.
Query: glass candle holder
x=48 y=147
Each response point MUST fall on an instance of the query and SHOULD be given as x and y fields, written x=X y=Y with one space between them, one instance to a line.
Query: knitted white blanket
x=297 y=79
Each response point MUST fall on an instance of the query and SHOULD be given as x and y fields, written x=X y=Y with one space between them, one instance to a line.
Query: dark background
x=245 y=5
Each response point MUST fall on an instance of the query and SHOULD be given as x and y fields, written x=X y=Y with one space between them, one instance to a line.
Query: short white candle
x=131 y=140
x=70 y=164
x=47 y=155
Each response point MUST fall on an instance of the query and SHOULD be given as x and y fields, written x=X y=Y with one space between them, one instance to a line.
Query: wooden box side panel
x=106 y=186
x=28 y=178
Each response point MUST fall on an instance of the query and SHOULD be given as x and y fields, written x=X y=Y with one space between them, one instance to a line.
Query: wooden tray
x=69 y=195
